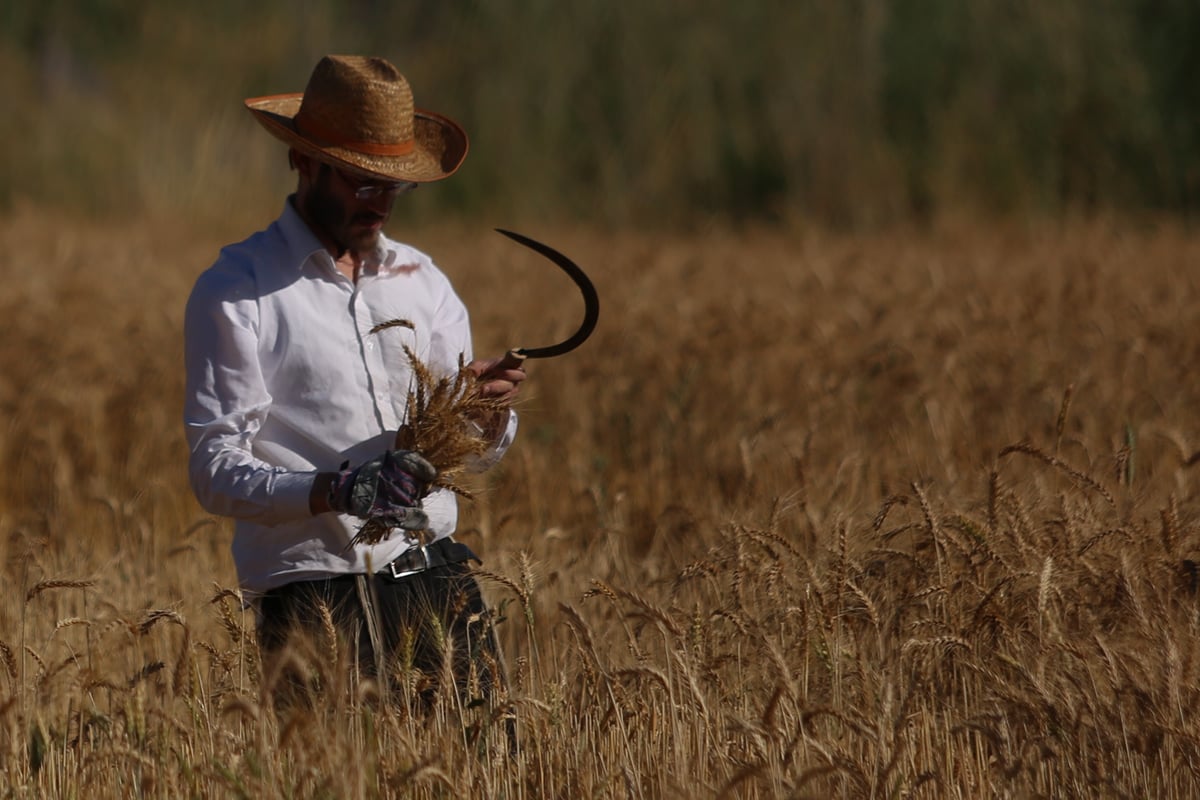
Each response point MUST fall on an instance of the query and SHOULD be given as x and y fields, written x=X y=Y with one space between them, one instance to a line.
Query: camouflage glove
x=387 y=488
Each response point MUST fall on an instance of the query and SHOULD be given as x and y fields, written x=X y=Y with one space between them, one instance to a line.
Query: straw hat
x=357 y=113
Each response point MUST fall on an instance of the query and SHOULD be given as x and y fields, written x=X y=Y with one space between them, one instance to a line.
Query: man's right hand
x=388 y=488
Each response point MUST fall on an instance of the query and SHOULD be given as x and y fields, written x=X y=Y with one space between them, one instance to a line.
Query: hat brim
x=439 y=145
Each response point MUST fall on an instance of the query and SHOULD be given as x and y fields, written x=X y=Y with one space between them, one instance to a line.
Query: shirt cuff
x=488 y=459
x=291 y=492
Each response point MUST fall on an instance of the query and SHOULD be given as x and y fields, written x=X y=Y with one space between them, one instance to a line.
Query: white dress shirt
x=285 y=380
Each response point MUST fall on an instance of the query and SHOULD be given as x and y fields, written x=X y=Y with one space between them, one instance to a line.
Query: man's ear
x=302 y=163
x=306 y=168
x=297 y=160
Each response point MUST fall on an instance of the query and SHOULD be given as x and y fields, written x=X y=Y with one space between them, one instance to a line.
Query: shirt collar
x=302 y=244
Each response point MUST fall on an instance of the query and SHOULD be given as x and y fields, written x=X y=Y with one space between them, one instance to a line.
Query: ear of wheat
x=441 y=410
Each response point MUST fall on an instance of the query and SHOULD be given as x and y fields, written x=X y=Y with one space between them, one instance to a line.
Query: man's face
x=347 y=211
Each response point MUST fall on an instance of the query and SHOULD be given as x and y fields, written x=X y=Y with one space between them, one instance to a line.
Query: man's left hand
x=499 y=379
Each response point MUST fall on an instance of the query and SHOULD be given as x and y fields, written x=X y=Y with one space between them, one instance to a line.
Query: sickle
x=591 y=306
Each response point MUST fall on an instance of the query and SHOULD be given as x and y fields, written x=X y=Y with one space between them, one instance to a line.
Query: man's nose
x=380 y=203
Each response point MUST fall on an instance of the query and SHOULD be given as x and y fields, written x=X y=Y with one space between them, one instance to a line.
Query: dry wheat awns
x=438 y=427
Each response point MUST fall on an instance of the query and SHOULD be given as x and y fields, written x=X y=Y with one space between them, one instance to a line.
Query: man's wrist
x=318 y=498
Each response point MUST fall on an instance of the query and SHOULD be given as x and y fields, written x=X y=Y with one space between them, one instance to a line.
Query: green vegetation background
x=855 y=113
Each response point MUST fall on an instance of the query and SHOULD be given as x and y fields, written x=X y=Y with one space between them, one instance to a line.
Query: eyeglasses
x=369 y=190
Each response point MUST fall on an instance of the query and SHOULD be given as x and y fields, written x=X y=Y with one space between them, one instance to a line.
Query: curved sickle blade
x=591 y=301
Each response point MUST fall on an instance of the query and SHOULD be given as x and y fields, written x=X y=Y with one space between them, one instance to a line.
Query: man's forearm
x=229 y=482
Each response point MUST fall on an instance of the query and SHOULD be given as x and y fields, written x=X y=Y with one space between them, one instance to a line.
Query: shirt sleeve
x=452 y=340
x=226 y=402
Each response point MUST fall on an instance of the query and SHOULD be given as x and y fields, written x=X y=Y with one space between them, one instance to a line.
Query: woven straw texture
x=357 y=113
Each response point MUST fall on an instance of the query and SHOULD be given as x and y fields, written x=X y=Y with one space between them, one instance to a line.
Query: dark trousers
x=428 y=626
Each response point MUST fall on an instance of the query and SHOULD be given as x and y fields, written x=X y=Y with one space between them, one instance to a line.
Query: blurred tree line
x=857 y=112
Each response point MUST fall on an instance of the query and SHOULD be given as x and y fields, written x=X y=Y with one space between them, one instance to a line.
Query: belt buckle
x=397 y=573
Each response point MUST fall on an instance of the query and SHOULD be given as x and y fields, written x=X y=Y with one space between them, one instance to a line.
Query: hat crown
x=357 y=113
x=357 y=100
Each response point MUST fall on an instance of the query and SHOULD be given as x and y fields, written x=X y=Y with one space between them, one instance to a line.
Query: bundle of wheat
x=439 y=426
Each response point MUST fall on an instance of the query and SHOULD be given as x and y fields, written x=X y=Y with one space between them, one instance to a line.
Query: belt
x=423 y=557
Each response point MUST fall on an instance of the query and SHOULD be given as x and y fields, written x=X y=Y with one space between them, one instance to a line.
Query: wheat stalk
x=1079 y=478
x=329 y=634
x=56 y=584
x=10 y=661
x=152 y=618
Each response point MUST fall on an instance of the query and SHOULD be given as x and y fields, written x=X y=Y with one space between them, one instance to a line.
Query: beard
x=330 y=215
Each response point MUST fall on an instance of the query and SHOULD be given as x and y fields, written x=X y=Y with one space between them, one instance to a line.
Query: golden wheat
x=785 y=546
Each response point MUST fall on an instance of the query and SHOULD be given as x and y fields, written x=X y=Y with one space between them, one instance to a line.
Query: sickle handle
x=513 y=359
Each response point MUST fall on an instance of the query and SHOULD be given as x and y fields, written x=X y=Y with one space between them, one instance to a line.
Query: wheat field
x=911 y=514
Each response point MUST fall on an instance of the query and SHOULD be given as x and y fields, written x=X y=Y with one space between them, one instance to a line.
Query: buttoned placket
x=369 y=349
x=372 y=353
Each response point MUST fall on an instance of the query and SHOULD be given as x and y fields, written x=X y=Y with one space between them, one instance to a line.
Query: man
x=293 y=404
